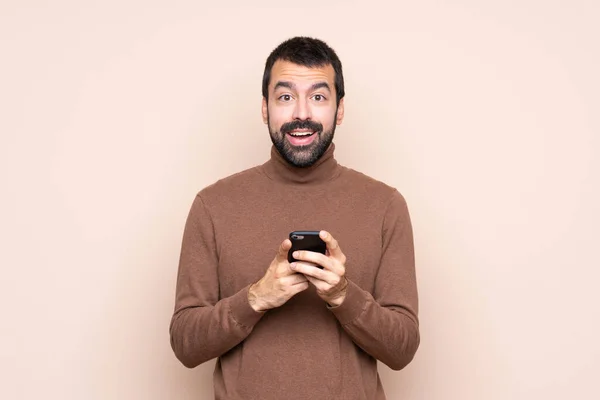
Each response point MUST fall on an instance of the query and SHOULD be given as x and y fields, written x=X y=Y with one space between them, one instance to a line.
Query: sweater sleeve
x=385 y=324
x=203 y=326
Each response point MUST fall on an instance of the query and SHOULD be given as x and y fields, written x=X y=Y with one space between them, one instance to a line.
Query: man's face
x=301 y=112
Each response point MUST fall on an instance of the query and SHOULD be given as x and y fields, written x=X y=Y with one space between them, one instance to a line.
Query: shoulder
x=371 y=188
x=229 y=186
x=379 y=199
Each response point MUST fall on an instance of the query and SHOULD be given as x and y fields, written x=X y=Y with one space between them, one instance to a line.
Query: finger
x=328 y=263
x=332 y=245
x=313 y=257
x=319 y=284
x=282 y=253
x=293 y=279
x=299 y=287
x=312 y=271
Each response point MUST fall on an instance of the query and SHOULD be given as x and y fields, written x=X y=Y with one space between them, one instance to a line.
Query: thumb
x=282 y=254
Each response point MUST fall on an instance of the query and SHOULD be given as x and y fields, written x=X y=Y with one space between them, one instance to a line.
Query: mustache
x=304 y=124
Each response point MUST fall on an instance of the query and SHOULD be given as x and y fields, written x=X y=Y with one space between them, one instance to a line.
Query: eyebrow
x=291 y=86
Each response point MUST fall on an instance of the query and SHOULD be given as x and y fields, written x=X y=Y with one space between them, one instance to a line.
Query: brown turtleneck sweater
x=303 y=349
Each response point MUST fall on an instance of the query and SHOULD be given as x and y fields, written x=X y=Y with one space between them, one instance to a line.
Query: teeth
x=301 y=133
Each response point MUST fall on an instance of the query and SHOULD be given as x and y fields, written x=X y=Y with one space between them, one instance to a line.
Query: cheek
x=325 y=116
x=279 y=115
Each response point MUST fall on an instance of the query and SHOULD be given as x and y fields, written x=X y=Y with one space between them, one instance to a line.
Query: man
x=297 y=331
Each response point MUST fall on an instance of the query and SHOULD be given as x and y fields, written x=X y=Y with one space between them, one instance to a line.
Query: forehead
x=301 y=75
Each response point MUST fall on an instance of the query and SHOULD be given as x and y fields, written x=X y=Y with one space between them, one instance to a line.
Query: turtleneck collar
x=325 y=169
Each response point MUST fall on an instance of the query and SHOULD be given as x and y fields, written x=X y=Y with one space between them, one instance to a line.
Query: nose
x=302 y=110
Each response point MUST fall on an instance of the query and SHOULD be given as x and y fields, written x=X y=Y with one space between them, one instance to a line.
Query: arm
x=203 y=326
x=386 y=324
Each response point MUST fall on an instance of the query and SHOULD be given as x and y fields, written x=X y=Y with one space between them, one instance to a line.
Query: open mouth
x=301 y=133
x=301 y=137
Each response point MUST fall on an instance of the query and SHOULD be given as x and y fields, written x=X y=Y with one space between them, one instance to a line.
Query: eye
x=285 y=97
x=319 y=97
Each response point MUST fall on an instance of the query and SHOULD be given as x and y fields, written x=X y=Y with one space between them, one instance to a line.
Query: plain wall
x=484 y=114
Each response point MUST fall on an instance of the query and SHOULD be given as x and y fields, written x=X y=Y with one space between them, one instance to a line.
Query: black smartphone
x=306 y=240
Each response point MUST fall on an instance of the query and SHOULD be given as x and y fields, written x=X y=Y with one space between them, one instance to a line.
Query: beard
x=301 y=156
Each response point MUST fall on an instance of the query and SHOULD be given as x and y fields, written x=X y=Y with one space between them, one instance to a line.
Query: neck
x=323 y=170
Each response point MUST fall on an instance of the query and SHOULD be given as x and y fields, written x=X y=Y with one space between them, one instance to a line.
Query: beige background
x=483 y=113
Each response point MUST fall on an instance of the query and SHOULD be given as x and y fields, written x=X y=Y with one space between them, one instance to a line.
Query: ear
x=265 y=111
x=340 y=112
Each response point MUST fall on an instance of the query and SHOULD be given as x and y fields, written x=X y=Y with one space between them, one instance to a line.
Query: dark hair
x=308 y=52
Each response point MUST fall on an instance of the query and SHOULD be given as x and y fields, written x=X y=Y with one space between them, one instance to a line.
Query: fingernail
x=293 y=265
x=296 y=254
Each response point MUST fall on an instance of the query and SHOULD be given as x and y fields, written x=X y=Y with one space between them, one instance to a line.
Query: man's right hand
x=279 y=284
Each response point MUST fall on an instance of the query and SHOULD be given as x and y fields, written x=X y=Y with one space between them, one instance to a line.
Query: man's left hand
x=330 y=281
